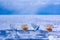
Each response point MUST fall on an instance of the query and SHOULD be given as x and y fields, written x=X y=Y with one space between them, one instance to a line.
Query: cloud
x=28 y=6
x=23 y=6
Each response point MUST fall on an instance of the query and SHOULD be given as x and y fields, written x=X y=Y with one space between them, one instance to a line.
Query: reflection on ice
x=20 y=34
x=27 y=34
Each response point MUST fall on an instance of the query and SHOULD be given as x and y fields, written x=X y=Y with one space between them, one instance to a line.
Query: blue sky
x=29 y=7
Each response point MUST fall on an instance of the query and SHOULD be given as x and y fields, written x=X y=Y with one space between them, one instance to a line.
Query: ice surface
x=10 y=27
